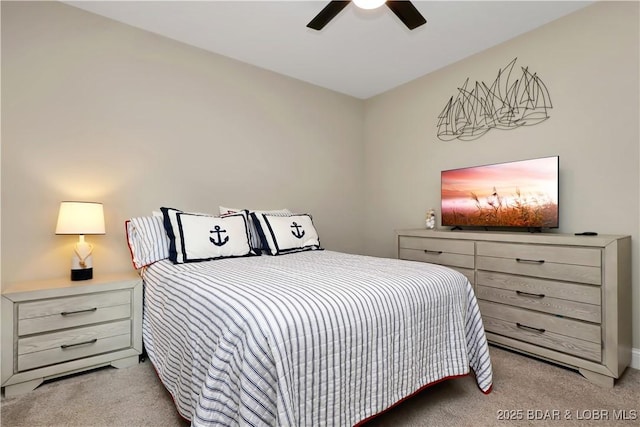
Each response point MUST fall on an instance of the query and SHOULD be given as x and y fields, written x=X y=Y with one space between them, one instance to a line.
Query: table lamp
x=81 y=218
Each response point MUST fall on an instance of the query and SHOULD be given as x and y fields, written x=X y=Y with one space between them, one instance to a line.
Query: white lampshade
x=80 y=218
x=369 y=4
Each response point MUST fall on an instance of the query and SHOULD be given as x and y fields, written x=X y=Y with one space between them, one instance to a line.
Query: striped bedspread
x=307 y=339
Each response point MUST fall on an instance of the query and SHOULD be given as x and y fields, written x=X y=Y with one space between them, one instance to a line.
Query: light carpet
x=526 y=391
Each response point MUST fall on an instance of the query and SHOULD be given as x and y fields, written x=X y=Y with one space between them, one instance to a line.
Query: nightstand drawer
x=56 y=347
x=68 y=312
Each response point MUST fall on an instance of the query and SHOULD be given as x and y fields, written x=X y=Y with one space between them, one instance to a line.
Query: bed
x=310 y=337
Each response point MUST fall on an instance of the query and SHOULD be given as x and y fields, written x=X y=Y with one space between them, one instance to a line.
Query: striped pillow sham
x=147 y=239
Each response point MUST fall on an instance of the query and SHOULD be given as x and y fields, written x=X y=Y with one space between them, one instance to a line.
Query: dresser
x=57 y=327
x=559 y=297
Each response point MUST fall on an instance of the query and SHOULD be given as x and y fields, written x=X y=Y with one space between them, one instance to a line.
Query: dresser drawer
x=67 y=312
x=464 y=247
x=460 y=263
x=560 y=334
x=553 y=254
x=442 y=258
x=552 y=262
x=457 y=254
x=541 y=268
x=55 y=347
x=560 y=298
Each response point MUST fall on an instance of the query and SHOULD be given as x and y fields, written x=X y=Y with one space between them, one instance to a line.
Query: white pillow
x=256 y=243
x=199 y=237
x=286 y=234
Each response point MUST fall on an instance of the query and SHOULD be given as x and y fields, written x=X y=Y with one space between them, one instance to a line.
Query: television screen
x=514 y=194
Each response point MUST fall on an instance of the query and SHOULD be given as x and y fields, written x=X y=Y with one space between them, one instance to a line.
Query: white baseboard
x=635 y=358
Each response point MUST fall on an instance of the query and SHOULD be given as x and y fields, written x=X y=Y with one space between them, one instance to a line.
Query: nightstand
x=57 y=327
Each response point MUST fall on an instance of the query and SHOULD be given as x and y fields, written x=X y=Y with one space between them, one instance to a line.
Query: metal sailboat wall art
x=472 y=112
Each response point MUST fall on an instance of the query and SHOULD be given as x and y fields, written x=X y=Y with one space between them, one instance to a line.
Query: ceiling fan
x=404 y=10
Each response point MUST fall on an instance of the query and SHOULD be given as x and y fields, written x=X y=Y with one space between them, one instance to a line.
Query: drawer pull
x=531 y=328
x=88 y=310
x=66 y=346
x=529 y=294
x=427 y=251
x=530 y=261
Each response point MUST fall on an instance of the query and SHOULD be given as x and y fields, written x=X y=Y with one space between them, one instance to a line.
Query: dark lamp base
x=83 y=274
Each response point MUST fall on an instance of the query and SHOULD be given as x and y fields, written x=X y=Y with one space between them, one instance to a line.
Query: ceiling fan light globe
x=369 y=4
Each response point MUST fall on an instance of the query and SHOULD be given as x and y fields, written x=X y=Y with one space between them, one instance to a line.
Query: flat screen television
x=518 y=194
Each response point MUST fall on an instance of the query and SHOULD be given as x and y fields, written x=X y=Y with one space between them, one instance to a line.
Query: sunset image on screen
x=516 y=194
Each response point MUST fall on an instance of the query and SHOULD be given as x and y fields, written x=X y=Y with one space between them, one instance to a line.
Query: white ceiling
x=359 y=53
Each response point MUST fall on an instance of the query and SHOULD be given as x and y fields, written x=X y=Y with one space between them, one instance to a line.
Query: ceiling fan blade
x=407 y=13
x=327 y=14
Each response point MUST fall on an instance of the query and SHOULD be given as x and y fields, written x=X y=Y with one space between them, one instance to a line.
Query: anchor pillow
x=286 y=234
x=198 y=237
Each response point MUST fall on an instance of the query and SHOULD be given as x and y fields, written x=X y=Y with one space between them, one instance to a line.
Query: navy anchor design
x=218 y=242
x=297 y=233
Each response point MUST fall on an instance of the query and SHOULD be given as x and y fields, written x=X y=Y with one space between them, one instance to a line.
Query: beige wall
x=96 y=110
x=589 y=62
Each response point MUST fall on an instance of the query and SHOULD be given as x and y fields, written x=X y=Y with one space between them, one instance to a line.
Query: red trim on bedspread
x=366 y=420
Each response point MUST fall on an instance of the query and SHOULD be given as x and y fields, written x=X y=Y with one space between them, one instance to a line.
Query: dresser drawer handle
x=66 y=346
x=88 y=310
x=529 y=294
x=427 y=251
x=530 y=261
x=531 y=328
